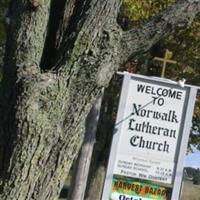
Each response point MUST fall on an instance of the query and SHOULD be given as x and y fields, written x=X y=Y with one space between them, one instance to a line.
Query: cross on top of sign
x=165 y=60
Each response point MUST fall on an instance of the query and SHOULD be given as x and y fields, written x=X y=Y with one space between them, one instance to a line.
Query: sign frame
x=182 y=141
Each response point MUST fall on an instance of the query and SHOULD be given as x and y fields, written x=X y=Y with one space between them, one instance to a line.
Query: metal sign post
x=183 y=146
x=150 y=139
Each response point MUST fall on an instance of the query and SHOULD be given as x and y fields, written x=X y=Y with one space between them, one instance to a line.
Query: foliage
x=185 y=45
x=194 y=174
x=190 y=171
x=196 y=178
x=138 y=10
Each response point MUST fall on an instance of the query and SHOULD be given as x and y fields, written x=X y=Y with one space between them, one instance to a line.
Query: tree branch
x=26 y=34
x=179 y=15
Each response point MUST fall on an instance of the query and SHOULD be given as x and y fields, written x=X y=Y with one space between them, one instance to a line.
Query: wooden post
x=80 y=174
x=165 y=60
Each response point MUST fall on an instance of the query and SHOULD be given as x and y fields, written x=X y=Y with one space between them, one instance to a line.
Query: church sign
x=152 y=129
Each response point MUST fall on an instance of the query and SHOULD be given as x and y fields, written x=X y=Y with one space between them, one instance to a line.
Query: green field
x=190 y=191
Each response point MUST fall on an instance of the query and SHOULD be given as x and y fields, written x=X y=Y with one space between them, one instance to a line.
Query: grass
x=190 y=191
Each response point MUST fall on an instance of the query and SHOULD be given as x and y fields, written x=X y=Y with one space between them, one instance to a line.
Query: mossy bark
x=43 y=105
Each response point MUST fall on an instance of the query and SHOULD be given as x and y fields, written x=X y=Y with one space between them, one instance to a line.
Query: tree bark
x=43 y=111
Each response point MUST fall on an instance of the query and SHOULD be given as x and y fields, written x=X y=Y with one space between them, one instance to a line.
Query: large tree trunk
x=59 y=54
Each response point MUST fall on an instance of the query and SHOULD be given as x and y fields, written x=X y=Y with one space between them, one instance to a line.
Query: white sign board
x=151 y=132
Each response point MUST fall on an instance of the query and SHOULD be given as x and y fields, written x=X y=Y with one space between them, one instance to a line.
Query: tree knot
x=35 y=4
x=27 y=72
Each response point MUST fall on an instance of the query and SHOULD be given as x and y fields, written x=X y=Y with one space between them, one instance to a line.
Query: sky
x=193 y=160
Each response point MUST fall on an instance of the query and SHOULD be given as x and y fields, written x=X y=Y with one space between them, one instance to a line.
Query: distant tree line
x=194 y=174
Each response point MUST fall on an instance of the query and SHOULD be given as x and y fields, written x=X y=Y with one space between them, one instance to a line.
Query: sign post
x=184 y=142
x=150 y=139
